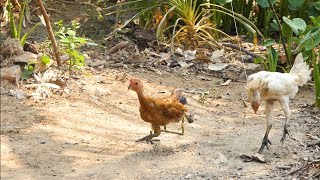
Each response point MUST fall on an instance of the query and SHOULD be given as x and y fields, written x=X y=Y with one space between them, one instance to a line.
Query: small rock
x=216 y=55
x=204 y=78
x=188 y=176
x=12 y=73
x=226 y=83
x=184 y=65
x=17 y=93
x=11 y=47
x=3 y=91
x=97 y=93
x=252 y=66
x=91 y=174
x=26 y=57
x=217 y=66
x=97 y=63
x=221 y=159
x=89 y=62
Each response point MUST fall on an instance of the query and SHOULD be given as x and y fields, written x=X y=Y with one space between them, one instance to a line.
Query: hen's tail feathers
x=183 y=100
x=301 y=69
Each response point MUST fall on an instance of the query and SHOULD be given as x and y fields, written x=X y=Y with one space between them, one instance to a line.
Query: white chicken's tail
x=300 y=69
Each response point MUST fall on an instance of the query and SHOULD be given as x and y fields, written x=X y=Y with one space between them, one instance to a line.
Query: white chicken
x=275 y=86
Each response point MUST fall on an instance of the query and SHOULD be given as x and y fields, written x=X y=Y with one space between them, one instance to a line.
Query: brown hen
x=159 y=111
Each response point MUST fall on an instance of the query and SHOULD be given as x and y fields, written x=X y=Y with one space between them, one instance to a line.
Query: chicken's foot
x=286 y=132
x=148 y=139
x=265 y=143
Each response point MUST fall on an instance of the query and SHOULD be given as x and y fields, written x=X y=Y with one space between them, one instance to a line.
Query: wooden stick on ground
x=242 y=49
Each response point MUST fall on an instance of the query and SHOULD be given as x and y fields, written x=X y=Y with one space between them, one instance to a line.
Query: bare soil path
x=81 y=136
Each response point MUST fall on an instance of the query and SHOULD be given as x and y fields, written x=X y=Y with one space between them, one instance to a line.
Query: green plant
x=145 y=11
x=271 y=63
x=16 y=31
x=70 y=43
x=31 y=67
x=316 y=75
x=190 y=20
x=27 y=72
x=193 y=25
x=309 y=43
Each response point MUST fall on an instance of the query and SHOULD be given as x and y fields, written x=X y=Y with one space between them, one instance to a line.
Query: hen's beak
x=129 y=87
x=255 y=106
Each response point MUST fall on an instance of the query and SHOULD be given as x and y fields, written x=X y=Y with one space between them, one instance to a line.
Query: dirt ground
x=79 y=135
x=91 y=132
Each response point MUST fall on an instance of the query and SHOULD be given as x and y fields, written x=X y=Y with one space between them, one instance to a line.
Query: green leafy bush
x=70 y=43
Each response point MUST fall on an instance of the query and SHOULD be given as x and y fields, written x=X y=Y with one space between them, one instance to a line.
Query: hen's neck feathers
x=141 y=96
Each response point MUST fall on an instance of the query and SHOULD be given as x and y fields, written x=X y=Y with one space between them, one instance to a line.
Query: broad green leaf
x=272 y=59
x=265 y=3
x=316 y=5
x=296 y=3
x=297 y=24
x=274 y=25
x=26 y=73
x=293 y=8
x=45 y=59
x=268 y=42
x=28 y=70
x=286 y=31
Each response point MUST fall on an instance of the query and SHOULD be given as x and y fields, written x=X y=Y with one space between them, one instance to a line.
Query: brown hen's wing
x=170 y=109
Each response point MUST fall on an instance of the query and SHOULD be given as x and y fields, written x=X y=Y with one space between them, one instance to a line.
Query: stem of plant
x=316 y=75
x=50 y=32
x=281 y=35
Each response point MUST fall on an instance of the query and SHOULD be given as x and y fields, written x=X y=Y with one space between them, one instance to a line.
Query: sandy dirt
x=81 y=136
x=91 y=132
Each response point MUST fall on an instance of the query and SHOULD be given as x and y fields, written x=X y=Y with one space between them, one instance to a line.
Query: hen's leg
x=157 y=132
x=181 y=126
x=269 y=114
x=284 y=102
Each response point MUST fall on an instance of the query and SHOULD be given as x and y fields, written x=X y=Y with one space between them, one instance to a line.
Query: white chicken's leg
x=284 y=102
x=269 y=114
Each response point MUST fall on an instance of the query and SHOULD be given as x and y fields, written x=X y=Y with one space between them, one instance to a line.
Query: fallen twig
x=233 y=46
x=117 y=47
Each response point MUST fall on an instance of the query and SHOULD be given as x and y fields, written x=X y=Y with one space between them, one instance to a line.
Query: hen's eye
x=136 y=83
